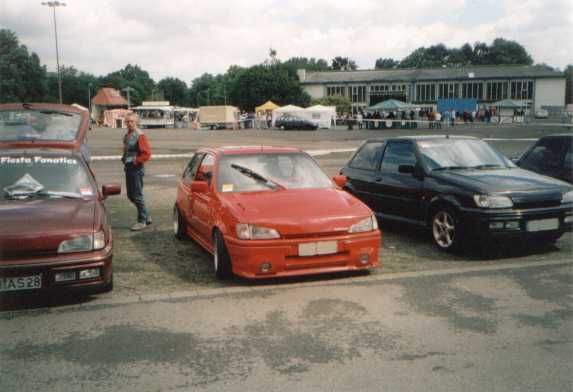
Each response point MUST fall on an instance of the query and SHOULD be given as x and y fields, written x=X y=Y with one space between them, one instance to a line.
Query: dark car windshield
x=23 y=125
x=43 y=176
x=255 y=172
x=461 y=154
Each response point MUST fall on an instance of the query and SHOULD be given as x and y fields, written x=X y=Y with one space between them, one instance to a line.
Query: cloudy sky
x=186 y=38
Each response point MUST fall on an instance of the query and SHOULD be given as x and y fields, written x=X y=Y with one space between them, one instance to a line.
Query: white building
x=536 y=86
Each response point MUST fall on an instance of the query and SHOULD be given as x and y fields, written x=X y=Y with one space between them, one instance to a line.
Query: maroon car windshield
x=30 y=176
x=38 y=125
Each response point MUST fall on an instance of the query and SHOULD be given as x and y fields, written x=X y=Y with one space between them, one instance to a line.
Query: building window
x=448 y=90
x=332 y=91
x=472 y=90
x=425 y=92
x=521 y=89
x=358 y=94
x=496 y=91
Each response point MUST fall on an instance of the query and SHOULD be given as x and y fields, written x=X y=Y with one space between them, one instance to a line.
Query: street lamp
x=90 y=101
x=53 y=5
x=129 y=90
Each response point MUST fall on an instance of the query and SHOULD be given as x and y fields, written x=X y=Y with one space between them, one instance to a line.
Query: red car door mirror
x=340 y=180
x=110 y=189
x=200 y=186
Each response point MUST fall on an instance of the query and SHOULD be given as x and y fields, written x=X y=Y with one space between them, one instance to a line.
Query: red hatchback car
x=270 y=212
x=54 y=233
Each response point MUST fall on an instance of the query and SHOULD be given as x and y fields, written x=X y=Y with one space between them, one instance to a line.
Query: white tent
x=290 y=109
x=323 y=115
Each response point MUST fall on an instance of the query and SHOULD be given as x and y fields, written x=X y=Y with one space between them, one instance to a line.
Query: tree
x=340 y=63
x=22 y=77
x=260 y=83
x=503 y=51
x=134 y=77
x=384 y=63
x=342 y=104
x=75 y=86
x=309 y=64
x=174 y=90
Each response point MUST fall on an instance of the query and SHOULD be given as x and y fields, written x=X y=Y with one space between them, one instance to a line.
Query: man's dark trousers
x=134 y=183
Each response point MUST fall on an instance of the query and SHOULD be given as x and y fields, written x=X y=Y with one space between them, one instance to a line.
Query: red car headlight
x=252 y=232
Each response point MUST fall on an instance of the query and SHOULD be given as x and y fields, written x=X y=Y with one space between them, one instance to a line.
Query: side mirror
x=110 y=189
x=406 y=169
x=340 y=180
x=200 y=186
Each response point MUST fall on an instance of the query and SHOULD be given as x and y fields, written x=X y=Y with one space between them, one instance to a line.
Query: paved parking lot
x=153 y=261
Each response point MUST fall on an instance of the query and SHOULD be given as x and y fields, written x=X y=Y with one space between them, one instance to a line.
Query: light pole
x=90 y=101
x=53 y=5
x=129 y=90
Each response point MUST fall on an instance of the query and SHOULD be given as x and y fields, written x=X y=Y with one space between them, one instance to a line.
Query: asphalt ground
x=153 y=261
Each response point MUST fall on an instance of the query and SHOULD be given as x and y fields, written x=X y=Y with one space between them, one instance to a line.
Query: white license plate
x=16 y=283
x=543 y=224
x=318 y=248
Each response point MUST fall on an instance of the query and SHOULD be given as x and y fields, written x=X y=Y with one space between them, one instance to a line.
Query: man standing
x=136 y=151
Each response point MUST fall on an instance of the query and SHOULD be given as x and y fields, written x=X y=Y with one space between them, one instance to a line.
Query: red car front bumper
x=251 y=258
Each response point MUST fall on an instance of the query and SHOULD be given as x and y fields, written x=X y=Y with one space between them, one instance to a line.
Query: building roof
x=422 y=74
x=108 y=96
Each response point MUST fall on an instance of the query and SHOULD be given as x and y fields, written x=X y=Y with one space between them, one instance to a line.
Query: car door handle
x=378 y=179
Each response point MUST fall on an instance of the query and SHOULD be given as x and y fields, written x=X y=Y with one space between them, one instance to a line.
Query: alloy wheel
x=444 y=229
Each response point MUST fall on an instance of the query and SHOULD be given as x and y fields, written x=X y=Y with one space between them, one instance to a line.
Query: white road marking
x=164 y=175
x=311 y=152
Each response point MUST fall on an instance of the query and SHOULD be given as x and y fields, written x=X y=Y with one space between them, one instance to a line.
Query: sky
x=186 y=38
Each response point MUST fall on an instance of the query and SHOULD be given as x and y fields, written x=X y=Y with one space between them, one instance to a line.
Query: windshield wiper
x=488 y=166
x=257 y=177
x=451 y=168
x=15 y=195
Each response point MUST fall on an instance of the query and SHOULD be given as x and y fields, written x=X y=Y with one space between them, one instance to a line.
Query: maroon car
x=54 y=232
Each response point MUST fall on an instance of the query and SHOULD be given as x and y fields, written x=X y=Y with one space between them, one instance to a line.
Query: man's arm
x=144 y=150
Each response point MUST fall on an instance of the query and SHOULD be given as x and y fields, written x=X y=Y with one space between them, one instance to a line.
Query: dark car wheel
x=221 y=257
x=179 y=225
x=446 y=231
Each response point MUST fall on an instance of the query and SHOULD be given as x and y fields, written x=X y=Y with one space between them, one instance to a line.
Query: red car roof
x=72 y=144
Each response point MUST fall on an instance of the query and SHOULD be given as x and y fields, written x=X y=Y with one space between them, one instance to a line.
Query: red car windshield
x=42 y=125
x=43 y=176
x=247 y=173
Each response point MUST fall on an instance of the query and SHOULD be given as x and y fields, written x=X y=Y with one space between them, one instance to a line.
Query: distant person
x=136 y=152
x=438 y=120
x=453 y=117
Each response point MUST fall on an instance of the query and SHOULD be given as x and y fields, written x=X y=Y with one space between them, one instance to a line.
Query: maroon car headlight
x=83 y=243
x=252 y=232
x=368 y=224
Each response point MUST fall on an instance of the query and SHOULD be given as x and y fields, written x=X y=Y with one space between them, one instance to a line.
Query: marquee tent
x=290 y=109
x=267 y=106
x=389 y=104
x=323 y=115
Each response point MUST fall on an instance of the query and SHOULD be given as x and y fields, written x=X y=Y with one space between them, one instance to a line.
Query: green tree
x=134 y=77
x=310 y=64
x=385 y=63
x=22 y=77
x=340 y=63
x=174 y=90
x=503 y=51
x=260 y=83
x=200 y=91
x=75 y=86
x=342 y=103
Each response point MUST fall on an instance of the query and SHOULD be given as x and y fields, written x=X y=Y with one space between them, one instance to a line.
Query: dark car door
x=551 y=157
x=398 y=194
x=363 y=171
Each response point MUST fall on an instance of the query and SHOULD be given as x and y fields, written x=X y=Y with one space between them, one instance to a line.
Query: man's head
x=131 y=121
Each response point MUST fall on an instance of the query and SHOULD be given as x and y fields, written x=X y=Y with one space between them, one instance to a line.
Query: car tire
x=221 y=257
x=108 y=287
x=446 y=229
x=179 y=224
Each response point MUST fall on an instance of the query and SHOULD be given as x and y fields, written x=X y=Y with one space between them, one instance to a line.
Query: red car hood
x=300 y=211
x=37 y=226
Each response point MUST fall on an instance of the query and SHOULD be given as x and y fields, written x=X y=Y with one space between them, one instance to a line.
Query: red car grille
x=26 y=254
x=314 y=235
x=307 y=262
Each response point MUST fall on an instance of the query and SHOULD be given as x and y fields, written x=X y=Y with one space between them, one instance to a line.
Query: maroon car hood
x=301 y=211
x=37 y=226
